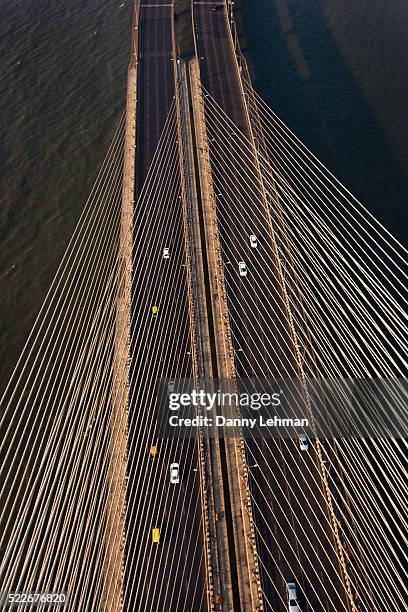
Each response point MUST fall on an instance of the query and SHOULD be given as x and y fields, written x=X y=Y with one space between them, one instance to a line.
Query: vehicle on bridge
x=253 y=241
x=243 y=270
x=156 y=535
x=153 y=451
x=293 y=605
x=174 y=473
x=303 y=442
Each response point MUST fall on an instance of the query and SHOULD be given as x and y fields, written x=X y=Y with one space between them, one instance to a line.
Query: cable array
x=59 y=456
x=55 y=424
x=323 y=300
x=323 y=261
x=161 y=351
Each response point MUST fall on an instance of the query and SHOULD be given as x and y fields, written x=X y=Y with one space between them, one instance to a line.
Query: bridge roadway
x=171 y=575
x=289 y=550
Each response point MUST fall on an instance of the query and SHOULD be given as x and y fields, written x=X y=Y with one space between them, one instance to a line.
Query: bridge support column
x=218 y=564
x=112 y=595
x=231 y=460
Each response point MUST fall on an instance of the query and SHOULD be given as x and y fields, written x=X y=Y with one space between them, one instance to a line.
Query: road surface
x=294 y=535
x=169 y=575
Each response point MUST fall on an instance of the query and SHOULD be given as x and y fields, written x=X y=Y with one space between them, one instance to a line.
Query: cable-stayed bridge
x=199 y=164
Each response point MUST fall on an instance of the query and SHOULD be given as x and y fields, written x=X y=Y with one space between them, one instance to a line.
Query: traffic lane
x=168 y=572
x=237 y=249
x=321 y=578
x=146 y=88
x=229 y=101
x=294 y=558
x=178 y=560
x=164 y=292
x=281 y=521
x=286 y=472
x=244 y=298
x=263 y=284
x=160 y=282
x=223 y=83
x=258 y=311
x=317 y=574
x=274 y=522
x=155 y=85
x=155 y=93
x=303 y=559
x=157 y=227
x=278 y=296
x=316 y=569
x=277 y=559
x=278 y=503
x=219 y=76
x=253 y=358
x=261 y=330
x=166 y=296
x=239 y=220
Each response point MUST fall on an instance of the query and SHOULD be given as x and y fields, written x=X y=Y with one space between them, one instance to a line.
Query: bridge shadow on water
x=303 y=75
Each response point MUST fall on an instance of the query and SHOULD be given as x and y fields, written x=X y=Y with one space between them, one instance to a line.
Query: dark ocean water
x=62 y=91
x=336 y=71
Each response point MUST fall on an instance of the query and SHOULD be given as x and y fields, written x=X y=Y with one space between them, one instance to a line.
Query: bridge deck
x=169 y=575
x=299 y=552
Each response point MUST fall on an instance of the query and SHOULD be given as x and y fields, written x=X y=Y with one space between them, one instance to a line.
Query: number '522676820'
x=14 y=598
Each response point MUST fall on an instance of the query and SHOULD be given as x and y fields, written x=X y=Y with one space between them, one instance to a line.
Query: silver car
x=293 y=605
x=243 y=270
x=253 y=241
x=303 y=442
x=174 y=473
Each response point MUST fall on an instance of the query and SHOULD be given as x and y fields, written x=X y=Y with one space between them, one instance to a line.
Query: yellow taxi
x=156 y=535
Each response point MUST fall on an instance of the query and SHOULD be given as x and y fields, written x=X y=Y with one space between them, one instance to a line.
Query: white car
x=293 y=605
x=174 y=473
x=303 y=442
x=166 y=253
x=243 y=270
x=253 y=241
